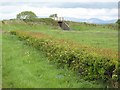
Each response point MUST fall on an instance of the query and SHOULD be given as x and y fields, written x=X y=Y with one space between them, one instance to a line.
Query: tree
x=26 y=15
x=53 y=15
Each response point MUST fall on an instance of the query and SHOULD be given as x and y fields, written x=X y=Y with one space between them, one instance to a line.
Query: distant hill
x=92 y=20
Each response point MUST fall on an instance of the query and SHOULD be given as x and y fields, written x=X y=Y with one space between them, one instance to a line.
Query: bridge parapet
x=61 y=23
x=59 y=19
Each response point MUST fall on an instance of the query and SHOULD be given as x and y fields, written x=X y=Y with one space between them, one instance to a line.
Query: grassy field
x=82 y=26
x=98 y=37
x=34 y=66
x=25 y=67
x=0 y=55
x=0 y=59
x=105 y=39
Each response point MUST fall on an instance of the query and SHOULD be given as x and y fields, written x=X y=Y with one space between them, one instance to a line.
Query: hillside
x=88 y=51
x=41 y=23
x=89 y=26
x=48 y=23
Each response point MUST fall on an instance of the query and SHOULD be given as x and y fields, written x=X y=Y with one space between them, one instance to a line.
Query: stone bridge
x=62 y=23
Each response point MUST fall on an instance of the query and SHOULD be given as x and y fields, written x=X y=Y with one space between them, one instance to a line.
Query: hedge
x=89 y=65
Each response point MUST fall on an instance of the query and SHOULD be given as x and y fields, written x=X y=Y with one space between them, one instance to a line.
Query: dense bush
x=47 y=21
x=90 y=66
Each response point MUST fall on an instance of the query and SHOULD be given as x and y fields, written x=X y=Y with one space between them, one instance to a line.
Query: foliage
x=47 y=21
x=94 y=37
x=1 y=57
x=30 y=24
x=26 y=15
x=89 y=65
x=36 y=71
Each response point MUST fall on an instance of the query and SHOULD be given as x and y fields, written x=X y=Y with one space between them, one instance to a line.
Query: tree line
x=30 y=15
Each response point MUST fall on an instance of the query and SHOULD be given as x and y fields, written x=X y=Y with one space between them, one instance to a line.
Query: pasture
x=97 y=37
x=40 y=69
x=26 y=67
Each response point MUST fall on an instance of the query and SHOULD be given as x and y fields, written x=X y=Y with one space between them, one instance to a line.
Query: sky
x=81 y=9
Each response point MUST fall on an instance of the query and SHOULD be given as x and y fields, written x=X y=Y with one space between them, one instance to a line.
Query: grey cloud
x=93 y=5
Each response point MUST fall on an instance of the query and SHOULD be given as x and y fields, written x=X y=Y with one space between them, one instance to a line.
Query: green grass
x=79 y=26
x=0 y=59
x=88 y=35
x=25 y=67
x=21 y=25
x=99 y=39
x=25 y=26
x=0 y=55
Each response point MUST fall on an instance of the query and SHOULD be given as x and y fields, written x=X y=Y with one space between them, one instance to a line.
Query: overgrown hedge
x=90 y=66
x=47 y=21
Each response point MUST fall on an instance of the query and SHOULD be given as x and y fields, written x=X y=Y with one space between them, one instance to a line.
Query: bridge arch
x=62 y=23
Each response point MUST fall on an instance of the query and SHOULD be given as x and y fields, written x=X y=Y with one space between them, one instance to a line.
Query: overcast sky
x=82 y=9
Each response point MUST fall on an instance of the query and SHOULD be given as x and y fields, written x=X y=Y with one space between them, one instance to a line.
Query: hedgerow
x=89 y=65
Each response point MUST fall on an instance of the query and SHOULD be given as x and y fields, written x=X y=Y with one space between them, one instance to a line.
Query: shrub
x=89 y=65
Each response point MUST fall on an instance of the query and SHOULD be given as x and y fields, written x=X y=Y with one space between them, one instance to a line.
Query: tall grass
x=36 y=70
x=98 y=37
x=83 y=26
x=0 y=59
x=24 y=67
x=91 y=65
